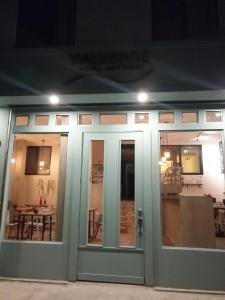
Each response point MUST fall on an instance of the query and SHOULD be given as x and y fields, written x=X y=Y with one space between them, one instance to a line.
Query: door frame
x=84 y=251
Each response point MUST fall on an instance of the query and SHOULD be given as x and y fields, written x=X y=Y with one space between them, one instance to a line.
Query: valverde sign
x=118 y=65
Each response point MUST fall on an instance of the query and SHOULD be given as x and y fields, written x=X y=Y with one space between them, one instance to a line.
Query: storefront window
x=113 y=119
x=95 y=192
x=22 y=120
x=213 y=116
x=36 y=199
x=190 y=117
x=85 y=119
x=166 y=117
x=127 y=203
x=41 y=120
x=192 y=202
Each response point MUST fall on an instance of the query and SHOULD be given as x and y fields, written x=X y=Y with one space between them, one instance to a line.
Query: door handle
x=140 y=221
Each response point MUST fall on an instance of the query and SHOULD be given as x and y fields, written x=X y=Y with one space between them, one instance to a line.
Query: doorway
x=111 y=242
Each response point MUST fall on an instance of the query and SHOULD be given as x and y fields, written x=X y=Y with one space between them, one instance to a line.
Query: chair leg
x=38 y=232
x=7 y=232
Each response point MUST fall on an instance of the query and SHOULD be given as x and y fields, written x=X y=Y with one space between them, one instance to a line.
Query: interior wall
x=212 y=180
x=96 y=196
x=24 y=188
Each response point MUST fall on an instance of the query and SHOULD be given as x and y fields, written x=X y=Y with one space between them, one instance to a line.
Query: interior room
x=192 y=188
x=127 y=193
x=35 y=205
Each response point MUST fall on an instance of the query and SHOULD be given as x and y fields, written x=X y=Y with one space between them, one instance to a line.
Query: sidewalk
x=16 y=290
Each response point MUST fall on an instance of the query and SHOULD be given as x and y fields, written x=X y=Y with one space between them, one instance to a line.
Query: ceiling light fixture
x=13 y=159
x=54 y=99
x=142 y=97
x=41 y=162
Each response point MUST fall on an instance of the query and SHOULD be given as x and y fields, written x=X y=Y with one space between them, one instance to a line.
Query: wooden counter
x=188 y=221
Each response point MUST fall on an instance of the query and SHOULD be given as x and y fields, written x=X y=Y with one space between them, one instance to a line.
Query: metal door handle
x=140 y=221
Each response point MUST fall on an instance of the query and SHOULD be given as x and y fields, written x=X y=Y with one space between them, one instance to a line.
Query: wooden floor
x=12 y=235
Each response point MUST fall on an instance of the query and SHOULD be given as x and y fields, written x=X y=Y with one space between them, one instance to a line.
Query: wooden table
x=26 y=216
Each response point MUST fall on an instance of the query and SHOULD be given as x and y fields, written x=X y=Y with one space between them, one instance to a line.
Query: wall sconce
x=41 y=162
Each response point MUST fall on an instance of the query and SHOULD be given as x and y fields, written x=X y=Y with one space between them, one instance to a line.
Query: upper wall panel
x=107 y=69
x=113 y=20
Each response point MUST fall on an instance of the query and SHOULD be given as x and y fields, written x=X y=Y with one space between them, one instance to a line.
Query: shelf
x=187 y=184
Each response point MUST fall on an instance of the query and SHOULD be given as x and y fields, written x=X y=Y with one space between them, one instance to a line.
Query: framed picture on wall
x=38 y=160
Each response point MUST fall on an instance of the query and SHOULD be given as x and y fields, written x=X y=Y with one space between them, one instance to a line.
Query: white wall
x=96 y=187
x=24 y=188
x=212 y=179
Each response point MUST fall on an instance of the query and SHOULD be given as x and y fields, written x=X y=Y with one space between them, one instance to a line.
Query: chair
x=171 y=182
x=220 y=222
x=36 y=225
x=11 y=222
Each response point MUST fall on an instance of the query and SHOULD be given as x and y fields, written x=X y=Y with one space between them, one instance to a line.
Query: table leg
x=22 y=229
x=32 y=227
x=50 y=228
x=43 y=228
x=18 y=228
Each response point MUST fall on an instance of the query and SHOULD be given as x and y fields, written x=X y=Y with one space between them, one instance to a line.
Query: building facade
x=108 y=185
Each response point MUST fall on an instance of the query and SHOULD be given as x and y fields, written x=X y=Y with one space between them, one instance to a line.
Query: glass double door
x=112 y=217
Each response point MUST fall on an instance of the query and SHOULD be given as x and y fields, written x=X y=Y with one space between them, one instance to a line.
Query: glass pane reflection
x=95 y=208
x=127 y=203
x=36 y=200
x=193 y=204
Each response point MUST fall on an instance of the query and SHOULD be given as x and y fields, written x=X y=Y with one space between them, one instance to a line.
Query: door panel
x=111 y=241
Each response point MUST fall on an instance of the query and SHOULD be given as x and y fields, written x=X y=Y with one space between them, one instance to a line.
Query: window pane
x=22 y=120
x=95 y=194
x=202 y=18
x=190 y=117
x=113 y=119
x=174 y=20
x=36 y=28
x=62 y=120
x=166 y=118
x=36 y=203
x=41 y=120
x=193 y=206
x=127 y=203
x=189 y=157
x=213 y=116
x=141 y=118
x=38 y=160
x=85 y=119
x=184 y=19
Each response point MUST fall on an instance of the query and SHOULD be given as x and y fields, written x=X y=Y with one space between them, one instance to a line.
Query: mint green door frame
x=59 y=260
x=110 y=262
x=195 y=268
x=5 y=118
x=182 y=267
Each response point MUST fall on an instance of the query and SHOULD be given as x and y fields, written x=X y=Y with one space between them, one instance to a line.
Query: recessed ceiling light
x=142 y=97
x=202 y=137
x=54 y=99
